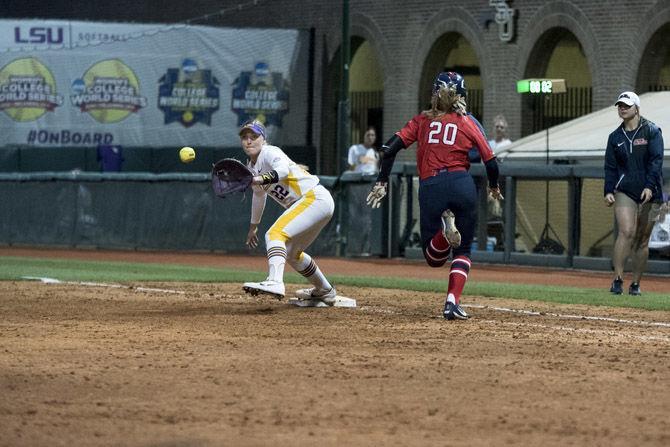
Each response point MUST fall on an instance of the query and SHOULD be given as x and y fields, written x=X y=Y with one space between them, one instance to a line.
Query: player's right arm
x=402 y=139
x=611 y=171
x=257 y=207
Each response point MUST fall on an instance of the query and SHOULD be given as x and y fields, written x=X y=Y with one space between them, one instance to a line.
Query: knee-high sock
x=276 y=260
x=437 y=250
x=306 y=266
x=458 y=275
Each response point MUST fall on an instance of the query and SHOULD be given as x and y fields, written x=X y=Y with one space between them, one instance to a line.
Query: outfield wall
x=177 y=211
x=162 y=212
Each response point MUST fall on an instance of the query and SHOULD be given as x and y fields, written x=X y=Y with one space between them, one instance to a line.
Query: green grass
x=14 y=268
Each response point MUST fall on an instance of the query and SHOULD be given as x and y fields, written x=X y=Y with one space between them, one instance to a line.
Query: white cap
x=628 y=98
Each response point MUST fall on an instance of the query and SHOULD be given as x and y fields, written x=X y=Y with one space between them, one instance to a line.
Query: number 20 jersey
x=444 y=142
x=294 y=181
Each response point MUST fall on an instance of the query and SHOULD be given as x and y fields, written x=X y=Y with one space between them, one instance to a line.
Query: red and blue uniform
x=442 y=161
x=445 y=183
x=444 y=142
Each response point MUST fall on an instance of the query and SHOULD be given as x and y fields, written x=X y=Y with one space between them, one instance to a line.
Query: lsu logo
x=39 y=34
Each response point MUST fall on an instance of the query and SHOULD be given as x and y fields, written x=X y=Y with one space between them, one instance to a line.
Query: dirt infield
x=175 y=364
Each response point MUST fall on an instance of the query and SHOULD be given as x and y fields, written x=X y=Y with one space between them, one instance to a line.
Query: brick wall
x=613 y=34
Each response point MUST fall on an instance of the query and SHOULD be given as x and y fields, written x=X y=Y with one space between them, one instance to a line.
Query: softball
x=186 y=154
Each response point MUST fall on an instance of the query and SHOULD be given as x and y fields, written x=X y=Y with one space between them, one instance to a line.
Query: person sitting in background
x=363 y=158
x=500 y=138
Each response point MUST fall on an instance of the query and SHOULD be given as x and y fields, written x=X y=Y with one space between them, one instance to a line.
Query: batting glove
x=378 y=192
x=495 y=194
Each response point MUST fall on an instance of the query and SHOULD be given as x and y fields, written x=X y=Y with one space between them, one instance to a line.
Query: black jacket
x=634 y=164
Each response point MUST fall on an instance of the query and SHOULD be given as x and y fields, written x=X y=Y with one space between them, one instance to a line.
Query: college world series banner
x=68 y=83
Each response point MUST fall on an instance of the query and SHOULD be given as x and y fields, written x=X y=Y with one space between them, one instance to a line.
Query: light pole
x=343 y=104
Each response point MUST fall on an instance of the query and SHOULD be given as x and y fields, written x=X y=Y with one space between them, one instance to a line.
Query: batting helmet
x=452 y=80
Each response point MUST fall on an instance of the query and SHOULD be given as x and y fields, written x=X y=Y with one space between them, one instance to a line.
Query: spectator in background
x=634 y=185
x=110 y=157
x=364 y=158
x=500 y=138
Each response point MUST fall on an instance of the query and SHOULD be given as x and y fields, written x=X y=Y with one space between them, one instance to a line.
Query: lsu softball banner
x=68 y=83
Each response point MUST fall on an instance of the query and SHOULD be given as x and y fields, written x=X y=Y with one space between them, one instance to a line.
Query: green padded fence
x=162 y=212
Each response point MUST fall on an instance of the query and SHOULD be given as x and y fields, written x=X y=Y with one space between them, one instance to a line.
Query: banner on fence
x=69 y=83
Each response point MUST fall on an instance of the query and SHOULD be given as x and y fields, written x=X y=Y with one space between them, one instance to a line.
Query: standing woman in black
x=633 y=184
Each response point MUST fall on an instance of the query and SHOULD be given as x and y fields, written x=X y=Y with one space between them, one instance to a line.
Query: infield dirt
x=209 y=366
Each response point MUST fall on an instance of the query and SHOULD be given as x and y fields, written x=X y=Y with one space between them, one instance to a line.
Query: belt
x=443 y=170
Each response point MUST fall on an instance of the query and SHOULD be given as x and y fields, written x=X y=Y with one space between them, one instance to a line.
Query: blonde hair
x=445 y=100
x=502 y=120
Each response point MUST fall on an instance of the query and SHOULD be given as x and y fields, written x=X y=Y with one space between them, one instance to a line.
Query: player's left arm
x=654 y=164
x=488 y=157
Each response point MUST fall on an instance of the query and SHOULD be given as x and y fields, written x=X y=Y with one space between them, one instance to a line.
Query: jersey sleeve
x=611 y=172
x=279 y=162
x=654 y=175
x=479 y=140
x=409 y=133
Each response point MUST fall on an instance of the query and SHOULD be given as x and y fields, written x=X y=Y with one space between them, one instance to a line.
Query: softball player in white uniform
x=309 y=207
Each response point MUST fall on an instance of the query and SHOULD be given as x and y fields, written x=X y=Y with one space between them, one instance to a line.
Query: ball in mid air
x=186 y=154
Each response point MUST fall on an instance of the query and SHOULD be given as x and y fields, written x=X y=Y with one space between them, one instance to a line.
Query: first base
x=340 y=301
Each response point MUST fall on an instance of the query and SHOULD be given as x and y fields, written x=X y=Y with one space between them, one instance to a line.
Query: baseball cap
x=628 y=98
x=255 y=126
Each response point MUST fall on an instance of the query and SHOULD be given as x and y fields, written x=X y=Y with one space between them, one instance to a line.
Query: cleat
x=267 y=287
x=617 y=286
x=327 y=296
x=454 y=312
x=451 y=233
x=250 y=291
x=634 y=289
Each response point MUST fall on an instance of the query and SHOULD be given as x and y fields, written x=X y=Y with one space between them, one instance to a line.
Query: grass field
x=17 y=268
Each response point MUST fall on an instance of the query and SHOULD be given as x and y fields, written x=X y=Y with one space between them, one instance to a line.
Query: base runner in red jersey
x=444 y=135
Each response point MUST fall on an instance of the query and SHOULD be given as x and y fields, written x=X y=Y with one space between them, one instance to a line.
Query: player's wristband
x=270 y=177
